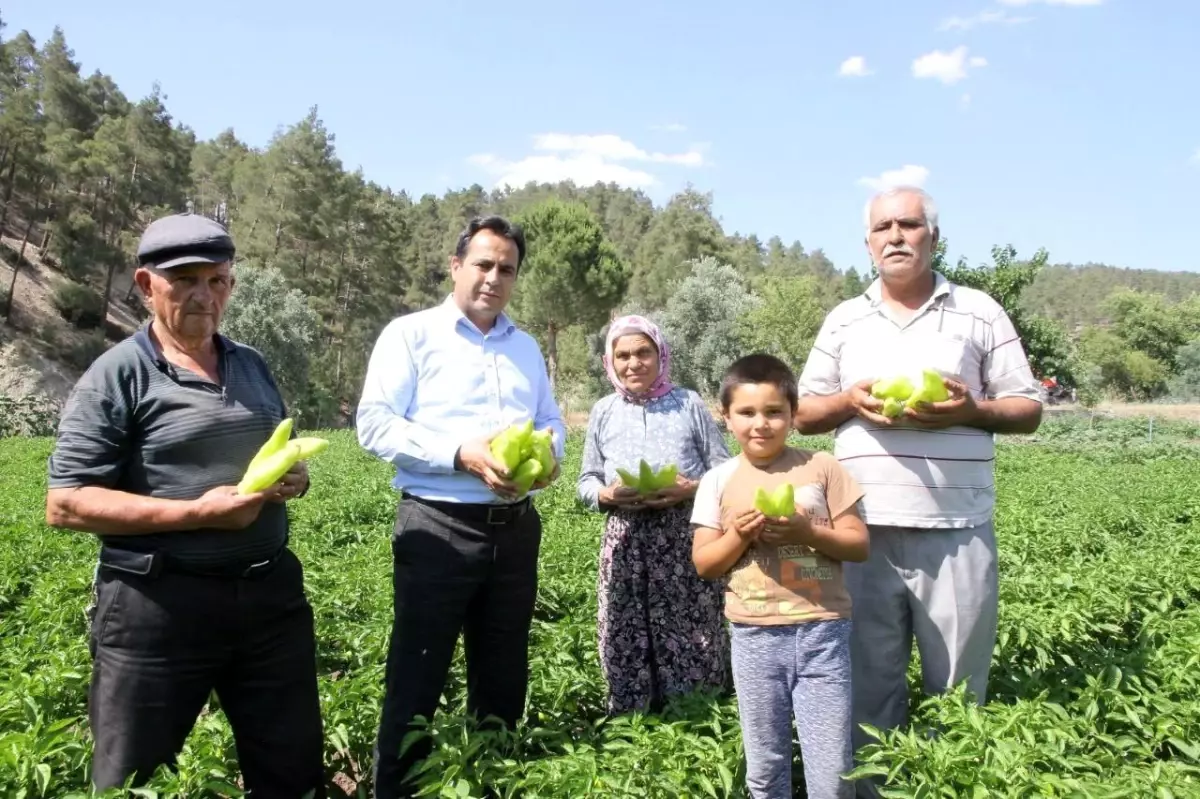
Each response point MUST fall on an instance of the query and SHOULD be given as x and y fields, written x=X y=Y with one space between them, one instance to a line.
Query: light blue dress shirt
x=434 y=382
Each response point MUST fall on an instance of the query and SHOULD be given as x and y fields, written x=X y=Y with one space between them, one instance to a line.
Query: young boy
x=789 y=612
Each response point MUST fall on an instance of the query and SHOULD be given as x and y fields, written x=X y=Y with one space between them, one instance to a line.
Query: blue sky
x=1067 y=124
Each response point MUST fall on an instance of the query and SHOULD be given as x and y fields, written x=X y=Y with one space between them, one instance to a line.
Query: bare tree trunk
x=552 y=355
x=12 y=285
x=8 y=191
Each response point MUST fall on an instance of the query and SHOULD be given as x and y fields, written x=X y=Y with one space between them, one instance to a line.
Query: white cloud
x=982 y=18
x=670 y=127
x=948 y=67
x=585 y=159
x=854 y=67
x=1051 y=2
x=907 y=175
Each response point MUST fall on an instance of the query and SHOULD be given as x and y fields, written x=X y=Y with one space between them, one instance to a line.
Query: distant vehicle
x=1054 y=392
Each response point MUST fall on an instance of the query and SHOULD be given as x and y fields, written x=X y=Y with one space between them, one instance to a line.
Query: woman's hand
x=619 y=495
x=683 y=489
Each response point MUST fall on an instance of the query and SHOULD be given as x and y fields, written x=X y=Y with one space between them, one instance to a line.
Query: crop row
x=1096 y=676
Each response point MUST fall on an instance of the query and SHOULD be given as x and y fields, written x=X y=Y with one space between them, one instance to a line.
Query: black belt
x=152 y=564
x=477 y=512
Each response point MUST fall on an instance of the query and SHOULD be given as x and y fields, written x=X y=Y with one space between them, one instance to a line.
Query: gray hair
x=928 y=206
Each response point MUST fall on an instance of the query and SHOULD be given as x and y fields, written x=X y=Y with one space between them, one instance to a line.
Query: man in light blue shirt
x=440 y=385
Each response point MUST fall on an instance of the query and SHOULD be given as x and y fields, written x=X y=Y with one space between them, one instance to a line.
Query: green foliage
x=266 y=314
x=1005 y=280
x=786 y=321
x=1129 y=373
x=701 y=319
x=571 y=275
x=27 y=416
x=1185 y=385
x=1094 y=674
x=79 y=305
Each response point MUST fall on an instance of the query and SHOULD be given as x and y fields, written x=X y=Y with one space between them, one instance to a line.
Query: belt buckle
x=491 y=513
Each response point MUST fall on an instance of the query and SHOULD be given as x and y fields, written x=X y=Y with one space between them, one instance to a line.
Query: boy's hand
x=749 y=524
x=794 y=529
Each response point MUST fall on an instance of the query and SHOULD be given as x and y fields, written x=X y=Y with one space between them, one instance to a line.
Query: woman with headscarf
x=661 y=627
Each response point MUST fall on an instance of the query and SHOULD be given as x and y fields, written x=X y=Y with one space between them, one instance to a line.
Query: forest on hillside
x=327 y=256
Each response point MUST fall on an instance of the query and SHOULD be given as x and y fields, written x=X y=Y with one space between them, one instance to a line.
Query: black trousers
x=454 y=571
x=161 y=642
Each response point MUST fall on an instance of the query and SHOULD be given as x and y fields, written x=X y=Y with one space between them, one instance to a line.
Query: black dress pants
x=455 y=570
x=161 y=642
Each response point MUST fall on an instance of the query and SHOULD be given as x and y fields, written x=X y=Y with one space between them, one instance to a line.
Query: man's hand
x=672 y=495
x=865 y=406
x=959 y=409
x=794 y=529
x=620 y=495
x=749 y=524
x=291 y=485
x=543 y=482
x=476 y=458
x=224 y=508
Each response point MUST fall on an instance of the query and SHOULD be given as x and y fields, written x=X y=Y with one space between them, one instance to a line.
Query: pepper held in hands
x=526 y=454
x=647 y=480
x=276 y=456
x=780 y=502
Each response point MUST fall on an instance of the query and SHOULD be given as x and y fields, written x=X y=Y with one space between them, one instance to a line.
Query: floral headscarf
x=623 y=326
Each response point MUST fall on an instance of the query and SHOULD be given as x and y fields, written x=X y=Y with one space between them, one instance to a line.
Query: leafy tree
x=786 y=321
x=571 y=275
x=1147 y=323
x=684 y=231
x=267 y=314
x=1130 y=373
x=701 y=319
x=1045 y=341
x=1186 y=383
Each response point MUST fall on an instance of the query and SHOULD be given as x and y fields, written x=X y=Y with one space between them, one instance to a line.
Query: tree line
x=328 y=256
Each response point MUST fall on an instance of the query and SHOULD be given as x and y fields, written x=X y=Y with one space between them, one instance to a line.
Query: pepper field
x=1095 y=682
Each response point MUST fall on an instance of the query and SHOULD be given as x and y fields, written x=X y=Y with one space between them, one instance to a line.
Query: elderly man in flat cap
x=196 y=590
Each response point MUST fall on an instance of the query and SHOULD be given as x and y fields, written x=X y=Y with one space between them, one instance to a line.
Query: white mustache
x=903 y=248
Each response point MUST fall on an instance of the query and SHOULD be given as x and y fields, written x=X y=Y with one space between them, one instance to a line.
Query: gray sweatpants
x=800 y=669
x=939 y=586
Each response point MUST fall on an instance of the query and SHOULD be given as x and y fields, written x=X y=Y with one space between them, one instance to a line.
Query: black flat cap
x=184 y=239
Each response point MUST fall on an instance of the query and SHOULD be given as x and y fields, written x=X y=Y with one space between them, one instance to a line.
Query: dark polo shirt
x=136 y=423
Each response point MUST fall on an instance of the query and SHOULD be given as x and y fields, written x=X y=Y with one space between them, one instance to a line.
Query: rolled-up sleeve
x=93 y=441
x=1006 y=370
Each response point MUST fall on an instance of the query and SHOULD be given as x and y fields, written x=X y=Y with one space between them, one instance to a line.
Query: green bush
x=79 y=305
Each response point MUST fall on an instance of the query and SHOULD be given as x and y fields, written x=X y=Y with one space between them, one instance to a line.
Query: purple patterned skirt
x=661 y=627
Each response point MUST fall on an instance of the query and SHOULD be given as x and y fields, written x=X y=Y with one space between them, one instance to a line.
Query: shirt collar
x=142 y=337
x=941 y=288
x=503 y=326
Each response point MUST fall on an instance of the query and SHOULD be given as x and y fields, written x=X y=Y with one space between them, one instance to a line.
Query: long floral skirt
x=661 y=627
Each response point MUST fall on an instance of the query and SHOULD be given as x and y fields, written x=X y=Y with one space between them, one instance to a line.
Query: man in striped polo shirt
x=928 y=474
x=196 y=589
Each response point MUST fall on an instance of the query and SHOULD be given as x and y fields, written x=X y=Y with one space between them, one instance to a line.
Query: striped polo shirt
x=137 y=423
x=915 y=477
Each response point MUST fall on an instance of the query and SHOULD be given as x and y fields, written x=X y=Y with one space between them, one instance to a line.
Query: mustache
x=903 y=248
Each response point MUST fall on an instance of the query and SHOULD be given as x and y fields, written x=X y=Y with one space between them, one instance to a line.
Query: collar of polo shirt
x=941 y=287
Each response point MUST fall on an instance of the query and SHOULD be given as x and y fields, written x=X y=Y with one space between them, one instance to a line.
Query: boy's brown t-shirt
x=786 y=583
